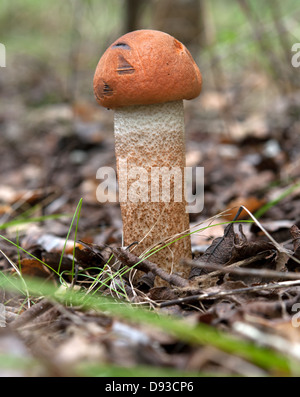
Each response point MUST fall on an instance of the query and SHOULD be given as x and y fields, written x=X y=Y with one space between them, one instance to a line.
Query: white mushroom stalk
x=150 y=153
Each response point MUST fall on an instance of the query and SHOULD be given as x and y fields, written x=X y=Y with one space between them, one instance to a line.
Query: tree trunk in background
x=187 y=20
x=183 y=19
x=133 y=9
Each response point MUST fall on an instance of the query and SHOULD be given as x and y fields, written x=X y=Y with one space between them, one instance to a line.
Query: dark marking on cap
x=121 y=45
x=104 y=90
x=124 y=67
x=107 y=90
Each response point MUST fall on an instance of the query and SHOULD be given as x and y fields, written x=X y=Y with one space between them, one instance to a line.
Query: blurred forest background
x=228 y=40
x=244 y=129
x=49 y=119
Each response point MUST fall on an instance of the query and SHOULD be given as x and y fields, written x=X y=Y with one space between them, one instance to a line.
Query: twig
x=235 y=269
x=19 y=274
x=277 y=245
x=31 y=313
x=219 y=294
x=131 y=260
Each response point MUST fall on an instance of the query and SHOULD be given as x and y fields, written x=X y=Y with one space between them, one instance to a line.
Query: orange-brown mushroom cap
x=145 y=67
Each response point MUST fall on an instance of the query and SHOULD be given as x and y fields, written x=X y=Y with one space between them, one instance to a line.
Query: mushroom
x=144 y=76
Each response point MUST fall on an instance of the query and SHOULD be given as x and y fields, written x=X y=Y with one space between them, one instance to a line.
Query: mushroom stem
x=150 y=153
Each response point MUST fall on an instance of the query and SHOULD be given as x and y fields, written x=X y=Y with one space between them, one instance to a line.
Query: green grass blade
x=198 y=335
x=21 y=221
x=259 y=213
x=77 y=212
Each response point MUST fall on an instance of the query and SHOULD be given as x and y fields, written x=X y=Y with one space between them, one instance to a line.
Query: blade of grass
x=154 y=250
x=78 y=209
x=20 y=221
x=259 y=213
x=75 y=237
x=18 y=271
x=200 y=334
x=28 y=253
x=42 y=218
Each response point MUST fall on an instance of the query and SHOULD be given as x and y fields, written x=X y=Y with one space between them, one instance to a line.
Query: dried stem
x=130 y=260
x=221 y=294
x=235 y=269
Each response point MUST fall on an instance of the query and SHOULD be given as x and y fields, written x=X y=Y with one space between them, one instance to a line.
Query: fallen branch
x=219 y=294
x=234 y=268
x=30 y=314
x=132 y=261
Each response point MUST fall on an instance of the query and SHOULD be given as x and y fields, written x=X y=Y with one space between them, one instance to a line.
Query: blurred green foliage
x=46 y=29
x=71 y=35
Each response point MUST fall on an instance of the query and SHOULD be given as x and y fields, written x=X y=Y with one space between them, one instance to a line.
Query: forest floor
x=247 y=286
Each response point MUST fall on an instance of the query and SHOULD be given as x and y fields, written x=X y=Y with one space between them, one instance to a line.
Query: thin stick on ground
x=235 y=269
x=221 y=294
x=133 y=261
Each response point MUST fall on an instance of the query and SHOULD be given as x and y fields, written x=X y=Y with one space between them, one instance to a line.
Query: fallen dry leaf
x=34 y=268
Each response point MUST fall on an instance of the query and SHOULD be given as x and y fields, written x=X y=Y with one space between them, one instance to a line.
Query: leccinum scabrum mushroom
x=144 y=76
